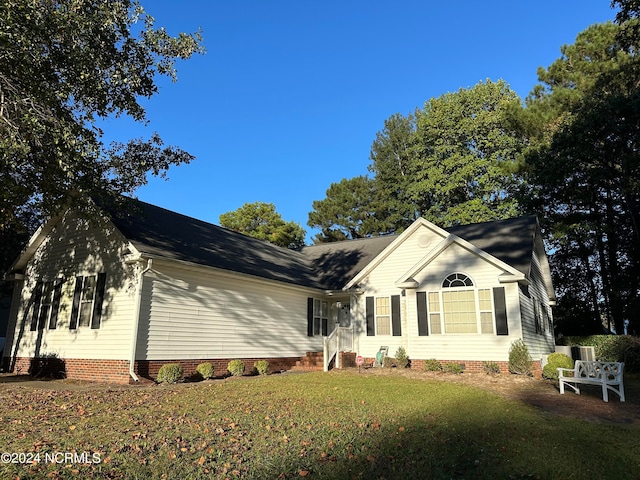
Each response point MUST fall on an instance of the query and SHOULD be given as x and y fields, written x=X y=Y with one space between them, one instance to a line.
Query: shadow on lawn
x=454 y=442
x=589 y=405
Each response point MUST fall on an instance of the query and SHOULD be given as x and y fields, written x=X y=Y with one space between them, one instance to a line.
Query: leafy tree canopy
x=65 y=64
x=349 y=211
x=260 y=220
x=583 y=171
x=467 y=155
x=455 y=161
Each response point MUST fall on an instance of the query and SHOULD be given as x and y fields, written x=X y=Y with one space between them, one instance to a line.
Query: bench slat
x=606 y=374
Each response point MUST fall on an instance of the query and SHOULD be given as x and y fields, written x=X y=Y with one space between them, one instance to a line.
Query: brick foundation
x=347 y=359
x=108 y=371
x=117 y=371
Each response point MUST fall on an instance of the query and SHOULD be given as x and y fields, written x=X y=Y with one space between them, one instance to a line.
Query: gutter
x=136 y=322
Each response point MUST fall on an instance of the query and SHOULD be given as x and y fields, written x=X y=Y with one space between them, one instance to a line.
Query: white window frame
x=382 y=313
x=320 y=313
x=437 y=319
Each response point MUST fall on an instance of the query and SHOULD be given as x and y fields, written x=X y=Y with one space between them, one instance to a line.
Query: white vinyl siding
x=537 y=319
x=485 y=344
x=196 y=312
x=77 y=247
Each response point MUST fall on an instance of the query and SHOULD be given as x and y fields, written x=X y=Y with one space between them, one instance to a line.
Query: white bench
x=606 y=374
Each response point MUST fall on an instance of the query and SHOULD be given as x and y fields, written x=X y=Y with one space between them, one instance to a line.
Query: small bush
x=236 y=367
x=555 y=361
x=610 y=348
x=205 y=370
x=491 y=368
x=170 y=373
x=452 y=367
x=432 y=365
x=520 y=361
x=261 y=367
x=389 y=362
x=402 y=359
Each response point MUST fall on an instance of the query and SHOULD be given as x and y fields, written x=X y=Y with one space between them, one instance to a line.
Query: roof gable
x=508 y=244
x=419 y=224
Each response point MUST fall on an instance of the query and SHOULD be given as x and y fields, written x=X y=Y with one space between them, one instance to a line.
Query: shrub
x=432 y=365
x=389 y=362
x=520 y=361
x=261 y=367
x=205 y=370
x=402 y=359
x=452 y=367
x=610 y=348
x=491 y=368
x=236 y=367
x=170 y=373
x=555 y=361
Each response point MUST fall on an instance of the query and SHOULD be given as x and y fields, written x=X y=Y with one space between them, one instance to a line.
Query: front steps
x=311 y=362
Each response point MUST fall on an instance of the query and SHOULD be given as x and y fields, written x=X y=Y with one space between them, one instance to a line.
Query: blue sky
x=290 y=94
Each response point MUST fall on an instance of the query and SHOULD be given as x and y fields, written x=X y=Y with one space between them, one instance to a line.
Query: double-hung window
x=46 y=303
x=383 y=316
x=320 y=316
x=88 y=296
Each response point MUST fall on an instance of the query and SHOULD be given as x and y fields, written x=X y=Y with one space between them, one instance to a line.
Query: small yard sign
x=359 y=361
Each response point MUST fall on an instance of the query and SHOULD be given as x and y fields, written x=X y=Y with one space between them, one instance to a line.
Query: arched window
x=460 y=308
x=457 y=280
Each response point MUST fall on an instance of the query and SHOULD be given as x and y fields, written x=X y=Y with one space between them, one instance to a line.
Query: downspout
x=136 y=322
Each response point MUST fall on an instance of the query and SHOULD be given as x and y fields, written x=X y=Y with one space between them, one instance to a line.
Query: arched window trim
x=457 y=280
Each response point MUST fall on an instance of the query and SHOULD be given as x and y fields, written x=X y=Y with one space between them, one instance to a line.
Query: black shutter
x=396 y=327
x=98 y=300
x=423 y=325
x=309 y=317
x=500 y=305
x=75 y=309
x=37 y=299
x=371 y=326
x=55 y=305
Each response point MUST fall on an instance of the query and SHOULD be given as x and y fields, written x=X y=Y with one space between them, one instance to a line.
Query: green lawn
x=338 y=425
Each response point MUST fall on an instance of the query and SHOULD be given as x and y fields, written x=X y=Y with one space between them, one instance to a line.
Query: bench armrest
x=561 y=370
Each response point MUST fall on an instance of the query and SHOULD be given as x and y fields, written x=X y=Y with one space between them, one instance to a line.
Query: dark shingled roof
x=156 y=231
x=511 y=241
x=339 y=262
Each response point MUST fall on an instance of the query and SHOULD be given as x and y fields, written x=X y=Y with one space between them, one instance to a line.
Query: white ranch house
x=115 y=296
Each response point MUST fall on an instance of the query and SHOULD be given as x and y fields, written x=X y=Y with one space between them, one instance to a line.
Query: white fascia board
x=420 y=222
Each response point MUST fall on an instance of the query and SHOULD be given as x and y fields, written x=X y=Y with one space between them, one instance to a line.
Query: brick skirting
x=108 y=371
x=117 y=371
